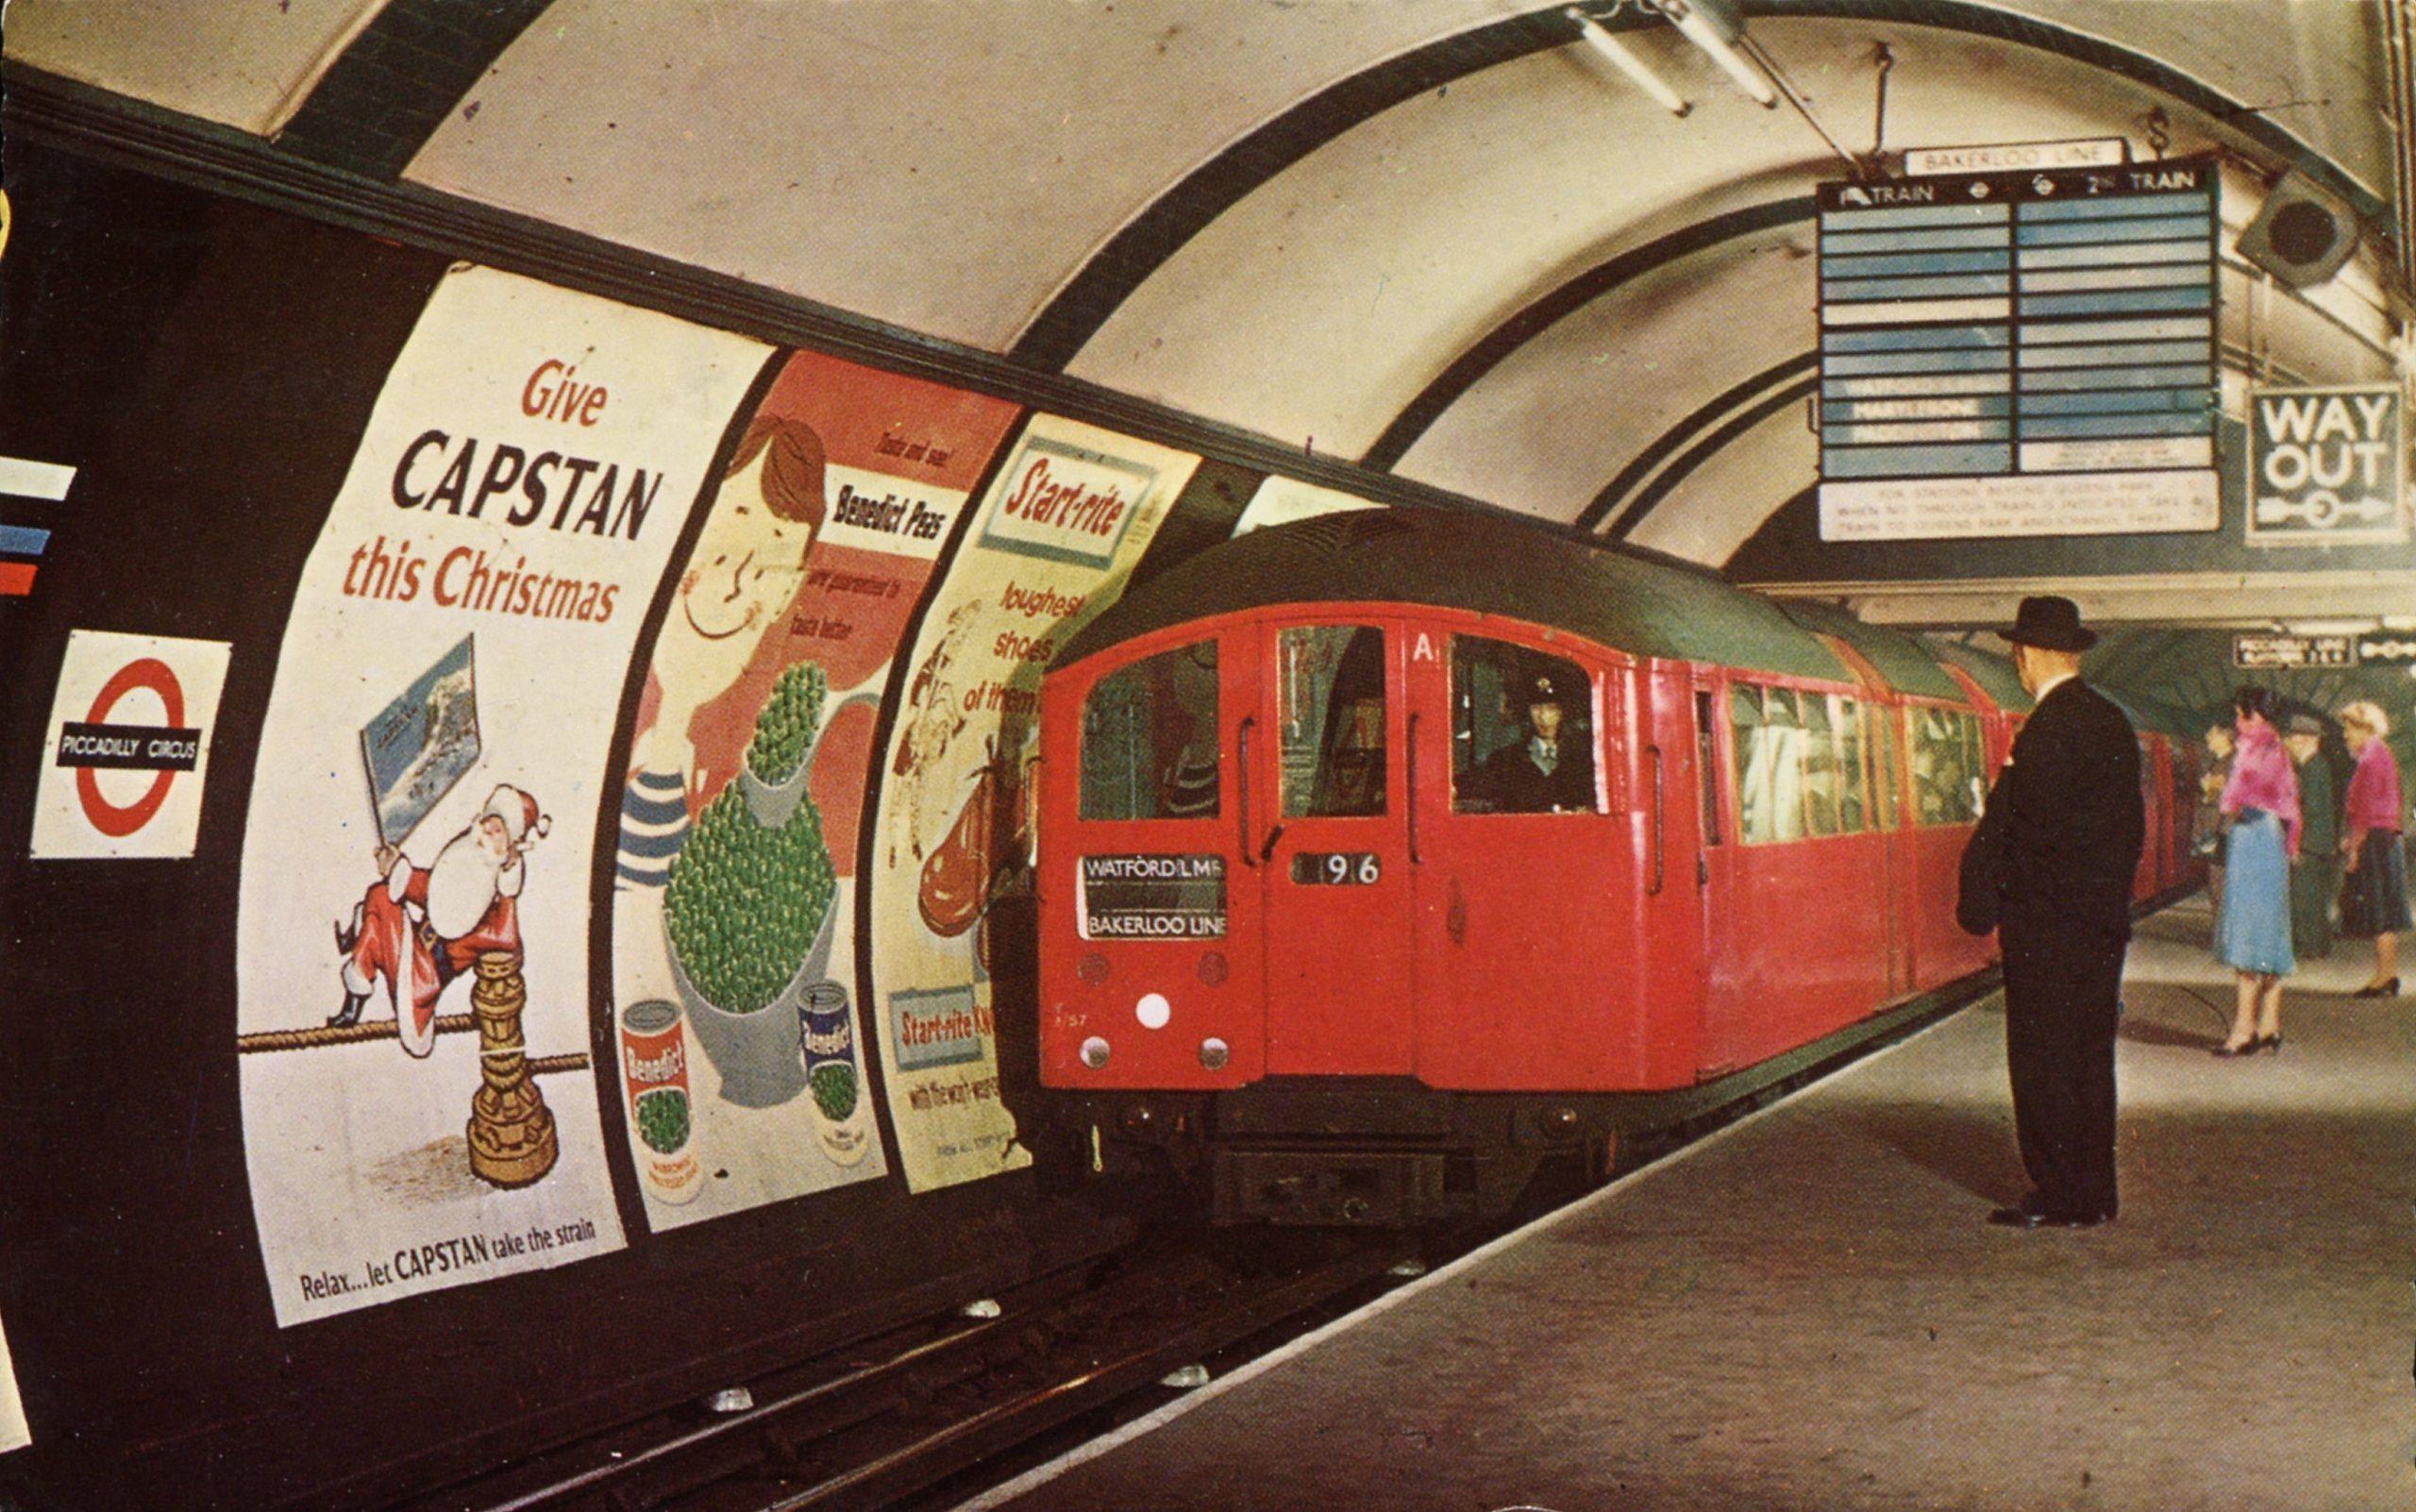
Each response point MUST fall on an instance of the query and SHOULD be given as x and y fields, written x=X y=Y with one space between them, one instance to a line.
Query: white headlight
x=1153 y=1011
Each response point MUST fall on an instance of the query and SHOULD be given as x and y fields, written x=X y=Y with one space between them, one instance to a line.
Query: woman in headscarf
x=2373 y=893
x=2253 y=934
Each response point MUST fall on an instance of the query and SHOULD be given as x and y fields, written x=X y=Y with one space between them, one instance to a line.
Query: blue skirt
x=2254 y=933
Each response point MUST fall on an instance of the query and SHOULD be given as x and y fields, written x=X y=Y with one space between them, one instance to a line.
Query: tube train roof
x=1471 y=562
x=1994 y=674
x=1901 y=662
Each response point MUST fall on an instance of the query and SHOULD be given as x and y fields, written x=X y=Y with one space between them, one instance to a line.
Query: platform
x=1807 y=1312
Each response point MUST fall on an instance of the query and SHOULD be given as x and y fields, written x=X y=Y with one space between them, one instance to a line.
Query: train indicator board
x=2289 y=653
x=2029 y=353
x=1152 y=898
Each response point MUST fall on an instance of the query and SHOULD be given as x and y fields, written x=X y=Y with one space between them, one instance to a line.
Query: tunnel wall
x=447 y=705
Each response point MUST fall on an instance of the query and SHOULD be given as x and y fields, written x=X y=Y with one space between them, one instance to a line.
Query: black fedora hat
x=2050 y=622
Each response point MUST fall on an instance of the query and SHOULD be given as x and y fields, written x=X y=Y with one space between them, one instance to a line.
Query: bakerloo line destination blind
x=2019 y=354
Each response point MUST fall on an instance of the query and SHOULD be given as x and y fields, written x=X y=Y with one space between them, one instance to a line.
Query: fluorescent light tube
x=1600 y=39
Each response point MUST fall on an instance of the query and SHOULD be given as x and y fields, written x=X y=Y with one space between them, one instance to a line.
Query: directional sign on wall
x=2324 y=465
x=2289 y=652
x=2019 y=354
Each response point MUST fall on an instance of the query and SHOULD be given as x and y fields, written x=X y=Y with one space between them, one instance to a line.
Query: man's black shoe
x=2031 y=1215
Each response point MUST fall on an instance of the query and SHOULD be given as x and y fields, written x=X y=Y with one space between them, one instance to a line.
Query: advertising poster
x=1052 y=545
x=13 y=1433
x=1281 y=500
x=419 y=1102
x=130 y=744
x=742 y=1050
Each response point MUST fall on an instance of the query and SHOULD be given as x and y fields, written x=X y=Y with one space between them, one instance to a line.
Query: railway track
x=923 y=1414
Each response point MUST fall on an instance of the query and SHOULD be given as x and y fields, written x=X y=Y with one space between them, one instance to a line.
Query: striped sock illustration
x=654 y=824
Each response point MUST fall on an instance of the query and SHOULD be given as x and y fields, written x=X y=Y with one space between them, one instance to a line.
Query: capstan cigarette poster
x=419 y=1102
x=1051 y=546
x=742 y=1041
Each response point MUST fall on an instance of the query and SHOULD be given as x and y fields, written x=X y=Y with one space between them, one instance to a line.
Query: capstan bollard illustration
x=512 y=1130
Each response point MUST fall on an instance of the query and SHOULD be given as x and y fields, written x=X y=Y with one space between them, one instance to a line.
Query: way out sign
x=2326 y=465
x=130 y=745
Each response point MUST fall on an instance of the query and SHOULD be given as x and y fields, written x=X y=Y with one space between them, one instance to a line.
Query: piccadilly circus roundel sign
x=130 y=730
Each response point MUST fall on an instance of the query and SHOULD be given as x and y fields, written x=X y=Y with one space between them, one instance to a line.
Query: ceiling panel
x=943 y=167
x=1317 y=309
x=233 y=62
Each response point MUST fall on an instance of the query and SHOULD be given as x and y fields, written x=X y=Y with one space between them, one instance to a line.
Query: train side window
x=1150 y=742
x=1522 y=730
x=1332 y=712
x=1768 y=737
x=1708 y=768
x=1820 y=749
x=1945 y=763
x=1852 y=818
x=1882 y=736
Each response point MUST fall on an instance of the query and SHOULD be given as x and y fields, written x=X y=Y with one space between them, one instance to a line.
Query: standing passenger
x=2316 y=879
x=2074 y=822
x=2253 y=934
x=2207 y=823
x=2374 y=899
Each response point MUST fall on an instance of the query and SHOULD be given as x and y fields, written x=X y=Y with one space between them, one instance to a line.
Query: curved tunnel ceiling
x=1320 y=223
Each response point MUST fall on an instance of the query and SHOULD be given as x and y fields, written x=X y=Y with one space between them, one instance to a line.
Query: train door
x=1885 y=724
x=1715 y=879
x=1151 y=948
x=1523 y=868
x=1326 y=827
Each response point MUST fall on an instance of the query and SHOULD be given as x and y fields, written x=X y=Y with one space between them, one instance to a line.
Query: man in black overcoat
x=2069 y=832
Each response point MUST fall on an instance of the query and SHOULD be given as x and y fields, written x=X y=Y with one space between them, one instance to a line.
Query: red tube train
x=1386 y=855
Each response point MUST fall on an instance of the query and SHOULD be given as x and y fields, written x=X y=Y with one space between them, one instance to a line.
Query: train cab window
x=1882 y=733
x=1852 y=818
x=1333 y=720
x=1522 y=730
x=1149 y=740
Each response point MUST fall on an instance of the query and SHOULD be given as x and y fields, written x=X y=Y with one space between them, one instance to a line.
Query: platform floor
x=1807 y=1312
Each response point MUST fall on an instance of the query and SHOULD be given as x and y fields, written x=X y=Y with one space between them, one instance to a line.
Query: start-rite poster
x=419 y=1105
x=742 y=1046
x=1059 y=532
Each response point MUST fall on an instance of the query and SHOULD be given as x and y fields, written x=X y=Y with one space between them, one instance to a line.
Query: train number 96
x=1336 y=868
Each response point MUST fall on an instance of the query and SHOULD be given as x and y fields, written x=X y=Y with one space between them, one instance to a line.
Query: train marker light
x=1095 y=1052
x=1092 y=968
x=1213 y=968
x=1214 y=1053
x=1153 y=1010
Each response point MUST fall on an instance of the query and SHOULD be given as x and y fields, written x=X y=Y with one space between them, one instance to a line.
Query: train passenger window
x=1852 y=815
x=1150 y=742
x=1332 y=699
x=1820 y=749
x=1882 y=736
x=1768 y=737
x=1522 y=730
x=1946 y=765
x=1708 y=768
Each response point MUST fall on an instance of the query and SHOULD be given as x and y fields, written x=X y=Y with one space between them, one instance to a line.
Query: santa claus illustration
x=420 y=927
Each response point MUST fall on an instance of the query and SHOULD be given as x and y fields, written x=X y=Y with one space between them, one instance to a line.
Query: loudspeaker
x=2301 y=235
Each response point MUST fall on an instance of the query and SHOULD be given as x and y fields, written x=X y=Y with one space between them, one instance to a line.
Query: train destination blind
x=2019 y=354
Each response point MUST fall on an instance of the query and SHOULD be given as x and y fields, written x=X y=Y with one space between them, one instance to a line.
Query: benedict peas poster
x=742 y=1044
x=419 y=1102
x=1065 y=520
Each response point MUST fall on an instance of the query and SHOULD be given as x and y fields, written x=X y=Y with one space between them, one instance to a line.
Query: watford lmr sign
x=2326 y=465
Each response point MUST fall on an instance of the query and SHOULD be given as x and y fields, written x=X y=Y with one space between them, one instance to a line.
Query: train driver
x=1553 y=769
